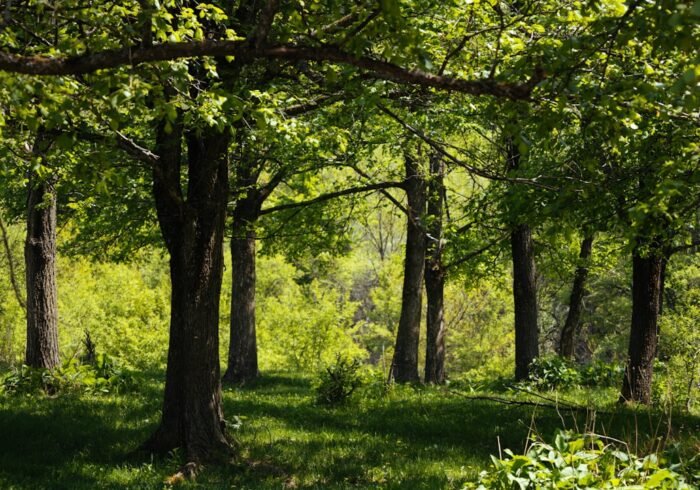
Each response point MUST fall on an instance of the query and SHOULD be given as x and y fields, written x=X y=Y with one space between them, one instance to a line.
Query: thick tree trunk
x=193 y=230
x=405 y=363
x=243 y=351
x=646 y=275
x=435 y=275
x=578 y=291
x=524 y=285
x=40 y=265
x=525 y=298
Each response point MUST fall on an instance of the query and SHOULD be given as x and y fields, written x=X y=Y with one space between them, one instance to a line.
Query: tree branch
x=333 y=195
x=470 y=168
x=113 y=58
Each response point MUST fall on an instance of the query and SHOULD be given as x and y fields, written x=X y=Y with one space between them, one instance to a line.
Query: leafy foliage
x=578 y=461
x=338 y=382
x=100 y=377
x=552 y=372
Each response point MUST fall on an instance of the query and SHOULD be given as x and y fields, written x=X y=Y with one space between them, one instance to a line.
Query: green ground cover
x=404 y=437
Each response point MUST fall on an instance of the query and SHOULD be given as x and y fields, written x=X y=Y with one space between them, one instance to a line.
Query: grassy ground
x=410 y=438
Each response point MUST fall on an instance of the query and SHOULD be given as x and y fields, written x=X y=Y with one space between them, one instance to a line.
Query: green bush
x=553 y=372
x=556 y=372
x=601 y=374
x=577 y=461
x=338 y=382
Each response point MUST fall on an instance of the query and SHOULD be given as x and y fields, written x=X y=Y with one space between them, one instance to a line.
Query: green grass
x=411 y=438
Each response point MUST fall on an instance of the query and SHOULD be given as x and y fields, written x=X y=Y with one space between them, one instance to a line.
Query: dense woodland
x=406 y=214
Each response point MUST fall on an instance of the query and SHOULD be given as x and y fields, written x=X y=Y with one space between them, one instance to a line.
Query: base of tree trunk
x=216 y=450
x=240 y=378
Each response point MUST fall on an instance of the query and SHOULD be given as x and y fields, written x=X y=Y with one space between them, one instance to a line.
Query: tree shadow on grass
x=475 y=429
x=51 y=440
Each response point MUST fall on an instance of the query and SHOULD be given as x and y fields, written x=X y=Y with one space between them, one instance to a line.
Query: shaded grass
x=411 y=437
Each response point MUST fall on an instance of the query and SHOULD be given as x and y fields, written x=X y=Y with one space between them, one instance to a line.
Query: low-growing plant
x=576 y=461
x=601 y=374
x=553 y=372
x=338 y=382
x=101 y=376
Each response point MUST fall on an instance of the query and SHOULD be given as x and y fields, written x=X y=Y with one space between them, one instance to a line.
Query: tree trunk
x=525 y=297
x=40 y=261
x=243 y=351
x=435 y=275
x=524 y=286
x=578 y=291
x=193 y=230
x=405 y=363
x=646 y=275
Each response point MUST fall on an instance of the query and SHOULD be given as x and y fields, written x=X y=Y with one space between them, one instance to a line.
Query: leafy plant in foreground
x=576 y=461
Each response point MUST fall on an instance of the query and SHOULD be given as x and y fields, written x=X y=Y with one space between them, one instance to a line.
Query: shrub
x=338 y=382
x=601 y=373
x=553 y=372
x=556 y=372
x=576 y=461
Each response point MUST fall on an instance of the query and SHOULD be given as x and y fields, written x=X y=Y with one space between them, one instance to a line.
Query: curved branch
x=333 y=195
x=88 y=63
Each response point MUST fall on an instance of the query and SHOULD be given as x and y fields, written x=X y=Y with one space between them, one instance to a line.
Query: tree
x=40 y=266
x=404 y=366
x=435 y=274
x=578 y=291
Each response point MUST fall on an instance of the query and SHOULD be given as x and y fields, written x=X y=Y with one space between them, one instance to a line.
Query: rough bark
x=40 y=266
x=646 y=293
x=193 y=230
x=404 y=366
x=243 y=351
x=572 y=325
x=525 y=298
x=435 y=275
x=524 y=286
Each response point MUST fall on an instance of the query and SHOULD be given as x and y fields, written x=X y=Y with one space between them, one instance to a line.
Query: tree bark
x=193 y=230
x=243 y=351
x=524 y=286
x=405 y=363
x=435 y=275
x=40 y=266
x=525 y=298
x=646 y=294
x=578 y=290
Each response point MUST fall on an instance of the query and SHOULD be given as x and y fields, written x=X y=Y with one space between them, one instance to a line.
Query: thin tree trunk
x=435 y=275
x=40 y=270
x=11 y=266
x=193 y=230
x=646 y=275
x=572 y=325
x=662 y=282
x=405 y=363
x=243 y=352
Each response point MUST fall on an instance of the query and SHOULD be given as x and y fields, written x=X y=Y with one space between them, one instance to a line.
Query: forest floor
x=406 y=437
